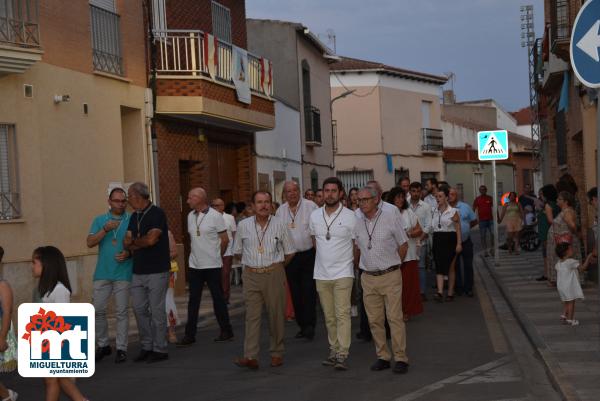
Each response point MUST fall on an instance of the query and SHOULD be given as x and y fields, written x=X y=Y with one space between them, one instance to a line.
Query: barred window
x=221 y=21
x=106 y=39
x=9 y=191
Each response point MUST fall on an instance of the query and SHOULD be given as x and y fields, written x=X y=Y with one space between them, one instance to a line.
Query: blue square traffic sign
x=492 y=145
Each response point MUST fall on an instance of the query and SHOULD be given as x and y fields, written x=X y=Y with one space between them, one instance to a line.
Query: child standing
x=49 y=265
x=567 y=283
x=8 y=343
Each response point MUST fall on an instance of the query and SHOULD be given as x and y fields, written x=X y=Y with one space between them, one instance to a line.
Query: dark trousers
x=300 y=277
x=464 y=267
x=196 y=280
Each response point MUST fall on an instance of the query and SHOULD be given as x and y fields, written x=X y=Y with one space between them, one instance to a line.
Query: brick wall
x=200 y=87
x=197 y=14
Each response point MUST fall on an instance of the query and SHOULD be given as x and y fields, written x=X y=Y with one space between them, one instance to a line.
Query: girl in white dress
x=49 y=266
x=567 y=280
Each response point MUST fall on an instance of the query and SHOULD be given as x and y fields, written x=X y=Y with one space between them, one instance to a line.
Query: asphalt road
x=470 y=349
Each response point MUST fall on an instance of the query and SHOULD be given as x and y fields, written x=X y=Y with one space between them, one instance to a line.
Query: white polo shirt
x=298 y=223
x=334 y=257
x=231 y=228
x=423 y=212
x=206 y=247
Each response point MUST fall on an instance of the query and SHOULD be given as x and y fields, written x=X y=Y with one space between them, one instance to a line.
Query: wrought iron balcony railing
x=106 y=41
x=433 y=140
x=9 y=206
x=19 y=23
x=181 y=53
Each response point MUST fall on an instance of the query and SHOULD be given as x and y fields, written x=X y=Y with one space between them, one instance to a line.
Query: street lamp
x=343 y=95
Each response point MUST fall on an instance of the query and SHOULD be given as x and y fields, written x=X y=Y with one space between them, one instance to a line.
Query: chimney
x=449 y=96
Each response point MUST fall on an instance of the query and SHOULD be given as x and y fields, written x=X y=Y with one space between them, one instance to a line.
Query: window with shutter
x=106 y=37
x=9 y=192
x=108 y=5
x=221 y=21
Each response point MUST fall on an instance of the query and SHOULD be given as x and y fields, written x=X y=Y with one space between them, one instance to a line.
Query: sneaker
x=330 y=361
x=573 y=322
x=101 y=352
x=121 y=356
x=157 y=357
x=340 y=363
x=186 y=342
x=224 y=337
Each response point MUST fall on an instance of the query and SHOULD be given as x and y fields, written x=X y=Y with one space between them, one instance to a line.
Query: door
x=223 y=172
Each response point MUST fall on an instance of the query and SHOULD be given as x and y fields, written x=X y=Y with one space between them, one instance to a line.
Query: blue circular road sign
x=585 y=43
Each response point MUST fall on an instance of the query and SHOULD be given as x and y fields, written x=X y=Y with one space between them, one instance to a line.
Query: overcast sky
x=478 y=40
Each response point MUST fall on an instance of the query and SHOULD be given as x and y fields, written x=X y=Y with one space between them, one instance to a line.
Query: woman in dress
x=513 y=211
x=412 y=304
x=545 y=218
x=447 y=243
x=563 y=229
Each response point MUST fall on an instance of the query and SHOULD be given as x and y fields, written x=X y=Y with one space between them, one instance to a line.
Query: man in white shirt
x=431 y=186
x=219 y=205
x=319 y=201
x=332 y=229
x=265 y=246
x=381 y=203
x=423 y=212
x=208 y=237
x=295 y=213
x=381 y=245
x=404 y=183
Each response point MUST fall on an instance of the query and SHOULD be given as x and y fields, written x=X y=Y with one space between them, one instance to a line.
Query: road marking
x=457 y=379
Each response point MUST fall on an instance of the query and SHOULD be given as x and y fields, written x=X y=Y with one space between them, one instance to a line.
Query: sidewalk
x=206 y=315
x=571 y=354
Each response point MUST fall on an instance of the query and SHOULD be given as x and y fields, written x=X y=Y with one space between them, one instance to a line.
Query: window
x=400 y=173
x=9 y=191
x=355 y=178
x=426 y=114
x=106 y=38
x=527 y=177
x=314 y=180
x=500 y=188
x=221 y=22
x=425 y=175
x=460 y=191
x=312 y=115
x=159 y=15
x=108 y=5
x=562 y=19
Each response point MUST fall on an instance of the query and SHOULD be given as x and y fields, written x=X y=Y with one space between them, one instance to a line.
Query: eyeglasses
x=364 y=200
x=119 y=200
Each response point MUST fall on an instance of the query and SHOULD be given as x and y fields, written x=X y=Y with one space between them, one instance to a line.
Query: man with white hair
x=208 y=240
x=295 y=213
x=147 y=238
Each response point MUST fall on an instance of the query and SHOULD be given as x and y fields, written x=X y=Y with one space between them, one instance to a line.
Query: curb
x=555 y=373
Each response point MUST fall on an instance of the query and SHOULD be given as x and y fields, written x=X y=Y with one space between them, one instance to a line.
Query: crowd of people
x=362 y=249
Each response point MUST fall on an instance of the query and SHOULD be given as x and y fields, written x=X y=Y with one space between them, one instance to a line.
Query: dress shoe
x=251 y=364
x=330 y=360
x=340 y=363
x=276 y=361
x=299 y=334
x=121 y=356
x=380 y=364
x=224 y=337
x=400 y=367
x=186 y=342
x=101 y=352
x=142 y=356
x=157 y=357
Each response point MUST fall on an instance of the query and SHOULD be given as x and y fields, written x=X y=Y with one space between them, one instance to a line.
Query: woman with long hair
x=412 y=304
x=545 y=218
x=352 y=202
x=513 y=211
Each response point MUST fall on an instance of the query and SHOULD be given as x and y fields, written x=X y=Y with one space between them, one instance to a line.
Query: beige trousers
x=264 y=289
x=335 y=301
x=382 y=295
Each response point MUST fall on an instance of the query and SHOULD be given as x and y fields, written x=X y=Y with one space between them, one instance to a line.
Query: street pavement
x=469 y=350
x=571 y=354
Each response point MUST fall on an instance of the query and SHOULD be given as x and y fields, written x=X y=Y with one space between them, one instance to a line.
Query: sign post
x=585 y=59
x=492 y=146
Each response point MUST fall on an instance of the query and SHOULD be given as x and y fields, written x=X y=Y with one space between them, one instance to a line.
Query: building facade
x=72 y=120
x=301 y=82
x=387 y=123
x=211 y=95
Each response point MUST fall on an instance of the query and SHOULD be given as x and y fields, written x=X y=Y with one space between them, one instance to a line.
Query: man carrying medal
x=332 y=228
x=265 y=246
x=295 y=213
x=113 y=273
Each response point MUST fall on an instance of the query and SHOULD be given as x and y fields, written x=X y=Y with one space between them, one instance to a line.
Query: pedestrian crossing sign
x=492 y=145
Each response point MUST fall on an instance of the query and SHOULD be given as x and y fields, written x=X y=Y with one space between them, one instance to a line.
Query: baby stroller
x=528 y=238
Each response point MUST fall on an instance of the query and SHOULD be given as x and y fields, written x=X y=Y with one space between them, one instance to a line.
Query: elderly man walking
x=332 y=229
x=208 y=243
x=147 y=237
x=381 y=245
x=112 y=276
x=265 y=246
x=295 y=213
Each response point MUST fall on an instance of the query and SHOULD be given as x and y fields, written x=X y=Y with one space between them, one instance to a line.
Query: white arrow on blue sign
x=492 y=145
x=585 y=41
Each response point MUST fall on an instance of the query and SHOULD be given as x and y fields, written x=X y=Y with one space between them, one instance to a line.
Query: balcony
x=19 y=35
x=433 y=140
x=560 y=29
x=312 y=126
x=553 y=73
x=186 y=86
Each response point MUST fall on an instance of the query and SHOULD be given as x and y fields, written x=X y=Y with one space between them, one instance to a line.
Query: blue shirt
x=107 y=267
x=466 y=217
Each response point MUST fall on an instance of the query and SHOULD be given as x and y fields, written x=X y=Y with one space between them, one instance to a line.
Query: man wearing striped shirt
x=381 y=245
x=265 y=246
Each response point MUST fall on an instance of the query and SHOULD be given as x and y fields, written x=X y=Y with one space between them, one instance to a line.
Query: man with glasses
x=112 y=276
x=483 y=206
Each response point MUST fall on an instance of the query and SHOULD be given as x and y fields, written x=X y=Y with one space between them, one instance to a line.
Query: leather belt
x=381 y=272
x=262 y=270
